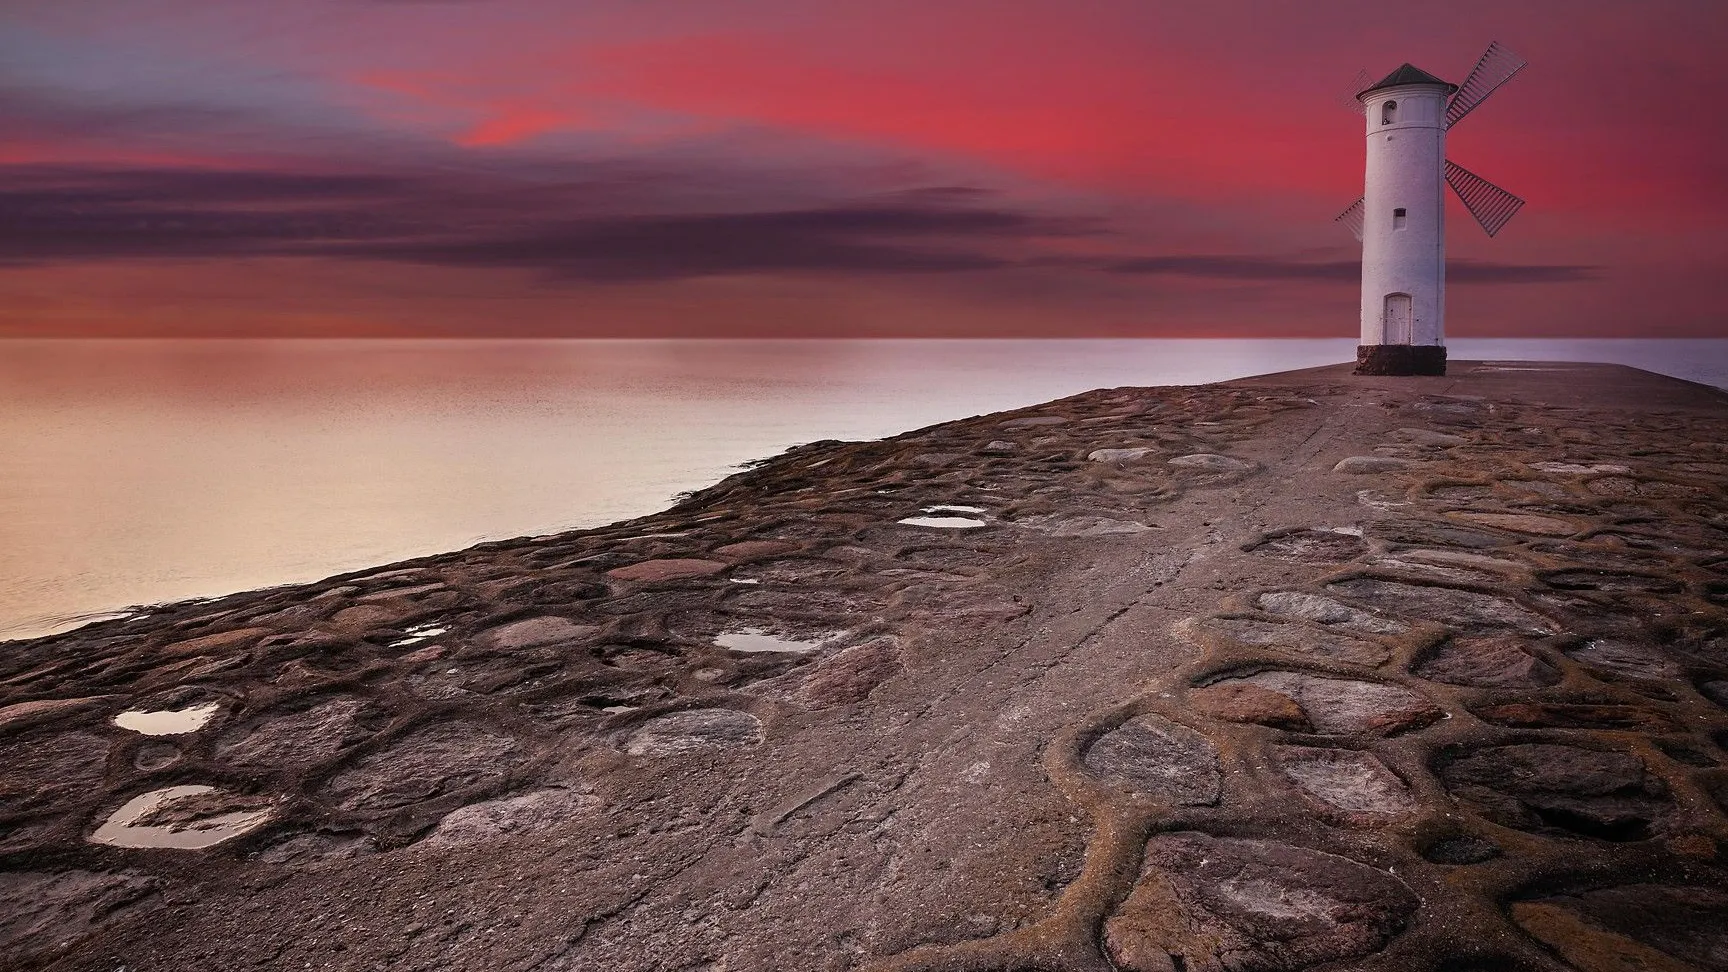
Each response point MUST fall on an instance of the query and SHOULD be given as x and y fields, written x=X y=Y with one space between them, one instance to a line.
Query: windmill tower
x=1400 y=218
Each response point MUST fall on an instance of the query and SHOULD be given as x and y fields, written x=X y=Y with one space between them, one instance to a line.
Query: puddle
x=943 y=522
x=755 y=639
x=418 y=633
x=167 y=722
x=122 y=828
x=947 y=522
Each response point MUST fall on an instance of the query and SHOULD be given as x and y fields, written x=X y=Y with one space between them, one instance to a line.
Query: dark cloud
x=60 y=214
x=1272 y=268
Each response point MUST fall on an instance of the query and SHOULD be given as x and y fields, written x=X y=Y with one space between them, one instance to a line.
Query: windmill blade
x=1492 y=206
x=1348 y=98
x=1495 y=67
x=1352 y=218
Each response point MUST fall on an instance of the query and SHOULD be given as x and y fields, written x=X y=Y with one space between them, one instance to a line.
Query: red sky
x=992 y=168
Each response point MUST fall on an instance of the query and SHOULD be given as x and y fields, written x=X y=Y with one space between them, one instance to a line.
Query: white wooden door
x=1397 y=320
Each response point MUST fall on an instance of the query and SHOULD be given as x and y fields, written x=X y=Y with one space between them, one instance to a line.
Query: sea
x=139 y=472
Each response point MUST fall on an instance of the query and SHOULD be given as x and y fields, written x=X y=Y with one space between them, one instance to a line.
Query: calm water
x=138 y=472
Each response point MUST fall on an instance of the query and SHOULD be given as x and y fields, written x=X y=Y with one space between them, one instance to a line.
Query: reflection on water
x=137 y=472
x=167 y=722
x=196 y=831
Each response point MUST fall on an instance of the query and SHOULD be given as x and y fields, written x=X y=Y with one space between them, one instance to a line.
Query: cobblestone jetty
x=1297 y=671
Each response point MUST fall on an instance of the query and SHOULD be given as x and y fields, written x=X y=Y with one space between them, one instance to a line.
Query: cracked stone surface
x=1192 y=701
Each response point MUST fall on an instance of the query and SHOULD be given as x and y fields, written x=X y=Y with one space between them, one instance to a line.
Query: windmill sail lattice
x=1491 y=205
x=1352 y=217
x=1493 y=69
x=1348 y=98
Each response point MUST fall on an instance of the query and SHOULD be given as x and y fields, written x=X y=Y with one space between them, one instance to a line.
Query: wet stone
x=1299 y=638
x=1356 y=785
x=1461 y=850
x=1636 y=926
x=694 y=729
x=1624 y=657
x=1568 y=790
x=1608 y=580
x=1559 y=715
x=1493 y=662
x=1252 y=906
x=182 y=818
x=1452 y=606
x=1311 y=546
x=1158 y=758
x=426 y=764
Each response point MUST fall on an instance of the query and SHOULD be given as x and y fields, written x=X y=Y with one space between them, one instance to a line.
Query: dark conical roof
x=1407 y=73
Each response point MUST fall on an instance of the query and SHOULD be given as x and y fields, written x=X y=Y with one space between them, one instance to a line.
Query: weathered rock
x=1340 y=706
x=1211 y=462
x=851 y=675
x=539 y=632
x=1299 y=638
x=225 y=641
x=1562 y=789
x=50 y=772
x=667 y=569
x=1158 y=758
x=1560 y=715
x=1237 y=701
x=1427 y=533
x=1356 y=785
x=1252 y=906
x=432 y=762
x=1033 y=422
x=1637 y=926
x=1362 y=465
x=1546 y=526
x=1625 y=657
x=1325 y=610
x=754 y=549
x=1119 y=455
x=693 y=729
x=1311 y=546
x=289 y=738
x=21 y=714
x=522 y=814
x=1467 y=610
x=1491 y=662
x=1428 y=437
x=44 y=914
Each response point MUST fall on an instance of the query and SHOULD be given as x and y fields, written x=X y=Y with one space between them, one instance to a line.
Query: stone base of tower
x=1400 y=359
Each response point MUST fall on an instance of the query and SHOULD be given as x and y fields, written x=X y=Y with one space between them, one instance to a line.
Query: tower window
x=1398 y=218
x=1388 y=112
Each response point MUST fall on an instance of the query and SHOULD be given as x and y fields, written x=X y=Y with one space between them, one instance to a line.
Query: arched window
x=1388 y=112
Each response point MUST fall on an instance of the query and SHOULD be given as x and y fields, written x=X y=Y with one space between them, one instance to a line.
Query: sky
x=832 y=168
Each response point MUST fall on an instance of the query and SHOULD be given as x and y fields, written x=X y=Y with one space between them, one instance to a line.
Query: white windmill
x=1400 y=218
